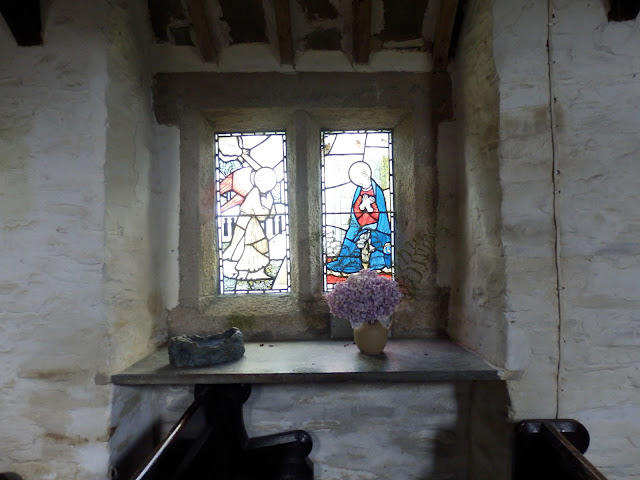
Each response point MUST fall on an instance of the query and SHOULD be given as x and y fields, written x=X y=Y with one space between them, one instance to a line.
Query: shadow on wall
x=449 y=449
x=10 y=476
x=479 y=445
x=490 y=432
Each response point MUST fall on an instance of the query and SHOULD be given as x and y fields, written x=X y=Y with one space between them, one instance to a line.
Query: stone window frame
x=302 y=105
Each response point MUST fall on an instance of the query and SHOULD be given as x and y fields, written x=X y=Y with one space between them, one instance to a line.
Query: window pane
x=252 y=212
x=357 y=203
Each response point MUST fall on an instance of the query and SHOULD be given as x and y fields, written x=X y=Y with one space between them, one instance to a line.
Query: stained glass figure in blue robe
x=368 y=226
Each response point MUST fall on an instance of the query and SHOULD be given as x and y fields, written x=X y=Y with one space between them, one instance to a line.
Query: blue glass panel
x=357 y=203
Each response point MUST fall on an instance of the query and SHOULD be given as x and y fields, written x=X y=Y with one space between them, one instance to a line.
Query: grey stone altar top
x=320 y=361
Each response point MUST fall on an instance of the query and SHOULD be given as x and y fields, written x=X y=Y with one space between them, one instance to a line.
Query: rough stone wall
x=141 y=176
x=528 y=230
x=53 y=328
x=477 y=272
x=569 y=311
x=138 y=178
x=508 y=310
x=477 y=266
x=82 y=193
x=596 y=87
x=87 y=249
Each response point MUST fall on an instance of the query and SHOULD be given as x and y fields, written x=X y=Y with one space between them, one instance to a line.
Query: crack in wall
x=555 y=174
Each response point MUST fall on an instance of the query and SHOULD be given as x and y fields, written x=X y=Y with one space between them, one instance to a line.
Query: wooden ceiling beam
x=283 y=25
x=361 y=30
x=623 y=10
x=204 y=39
x=442 y=36
x=23 y=19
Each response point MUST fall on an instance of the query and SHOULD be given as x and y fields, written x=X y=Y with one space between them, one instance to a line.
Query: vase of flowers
x=367 y=300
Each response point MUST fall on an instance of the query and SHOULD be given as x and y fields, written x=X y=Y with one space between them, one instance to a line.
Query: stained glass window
x=252 y=212
x=357 y=203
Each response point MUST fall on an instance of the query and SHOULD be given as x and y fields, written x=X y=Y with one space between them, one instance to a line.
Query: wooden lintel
x=285 y=39
x=204 y=39
x=442 y=37
x=361 y=30
x=23 y=19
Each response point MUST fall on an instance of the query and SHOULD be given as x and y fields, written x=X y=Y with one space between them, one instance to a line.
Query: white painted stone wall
x=596 y=83
x=477 y=272
x=569 y=327
x=504 y=305
x=527 y=223
x=88 y=190
x=88 y=209
x=82 y=254
x=141 y=195
x=141 y=176
x=53 y=328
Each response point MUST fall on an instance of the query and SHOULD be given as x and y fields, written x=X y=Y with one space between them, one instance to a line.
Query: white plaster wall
x=478 y=267
x=597 y=89
x=141 y=195
x=477 y=271
x=574 y=347
x=504 y=303
x=53 y=329
x=88 y=215
x=88 y=228
x=527 y=230
x=141 y=176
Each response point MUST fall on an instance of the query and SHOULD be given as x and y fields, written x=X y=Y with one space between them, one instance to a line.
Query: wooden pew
x=210 y=442
x=552 y=450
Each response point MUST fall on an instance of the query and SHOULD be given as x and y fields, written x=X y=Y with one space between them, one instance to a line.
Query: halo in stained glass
x=357 y=203
x=252 y=212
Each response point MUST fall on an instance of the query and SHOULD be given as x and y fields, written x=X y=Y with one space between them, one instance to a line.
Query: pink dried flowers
x=364 y=297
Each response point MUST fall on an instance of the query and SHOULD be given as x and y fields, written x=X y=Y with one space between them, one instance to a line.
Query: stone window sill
x=432 y=360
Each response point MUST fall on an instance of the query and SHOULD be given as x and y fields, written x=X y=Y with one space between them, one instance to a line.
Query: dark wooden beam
x=246 y=20
x=623 y=10
x=361 y=30
x=204 y=40
x=23 y=19
x=442 y=37
x=285 y=39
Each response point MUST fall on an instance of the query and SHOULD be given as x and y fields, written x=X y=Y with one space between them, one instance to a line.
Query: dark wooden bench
x=210 y=442
x=552 y=450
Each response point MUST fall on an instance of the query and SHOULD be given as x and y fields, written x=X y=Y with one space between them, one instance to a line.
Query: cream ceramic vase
x=371 y=338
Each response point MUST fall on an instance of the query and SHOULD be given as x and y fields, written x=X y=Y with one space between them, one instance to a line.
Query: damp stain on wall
x=14 y=162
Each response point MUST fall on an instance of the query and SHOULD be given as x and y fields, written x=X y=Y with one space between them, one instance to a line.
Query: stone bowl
x=206 y=351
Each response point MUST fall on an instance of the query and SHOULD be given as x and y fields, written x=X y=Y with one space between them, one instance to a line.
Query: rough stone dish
x=201 y=351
